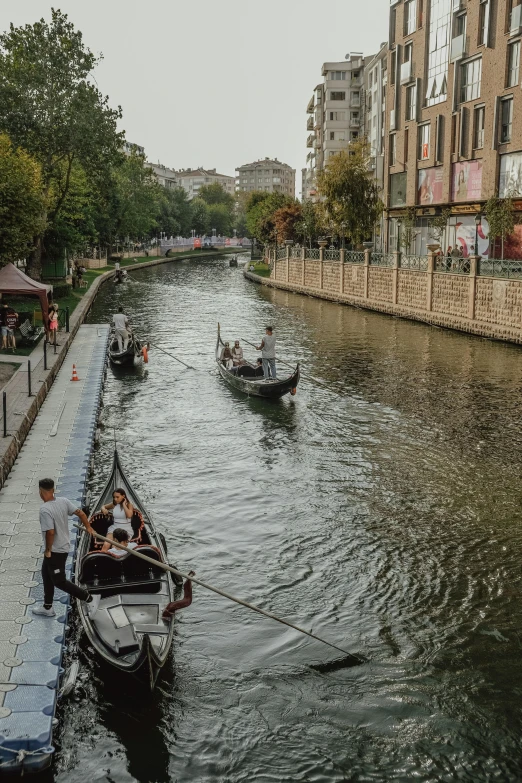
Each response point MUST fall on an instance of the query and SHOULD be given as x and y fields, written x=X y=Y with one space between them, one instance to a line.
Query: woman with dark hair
x=53 y=323
x=122 y=513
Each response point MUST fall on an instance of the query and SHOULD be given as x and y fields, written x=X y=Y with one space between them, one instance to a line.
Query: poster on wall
x=464 y=231
x=429 y=190
x=466 y=181
x=510 y=179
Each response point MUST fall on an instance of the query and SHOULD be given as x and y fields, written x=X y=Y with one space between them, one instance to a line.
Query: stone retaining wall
x=485 y=306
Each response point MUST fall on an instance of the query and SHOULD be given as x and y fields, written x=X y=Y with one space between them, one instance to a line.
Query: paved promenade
x=58 y=446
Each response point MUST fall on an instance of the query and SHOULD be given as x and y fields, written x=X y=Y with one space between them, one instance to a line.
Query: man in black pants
x=54 y=521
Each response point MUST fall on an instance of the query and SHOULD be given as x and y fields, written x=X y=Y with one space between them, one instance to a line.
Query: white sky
x=215 y=83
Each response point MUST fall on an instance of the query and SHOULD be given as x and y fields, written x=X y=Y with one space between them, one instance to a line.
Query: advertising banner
x=197 y=243
x=510 y=179
x=429 y=188
x=466 y=181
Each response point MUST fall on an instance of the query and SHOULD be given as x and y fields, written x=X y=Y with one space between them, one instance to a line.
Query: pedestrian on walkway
x=267 y=349
x=54 y=522
x=53 y=323
x=3 y=326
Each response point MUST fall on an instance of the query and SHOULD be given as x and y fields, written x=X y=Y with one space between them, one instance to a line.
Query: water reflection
x=379 y=508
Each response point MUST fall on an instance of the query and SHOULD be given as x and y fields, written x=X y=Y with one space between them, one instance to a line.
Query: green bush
x=61 y=290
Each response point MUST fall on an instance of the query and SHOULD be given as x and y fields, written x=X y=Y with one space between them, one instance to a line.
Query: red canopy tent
x=14 y=281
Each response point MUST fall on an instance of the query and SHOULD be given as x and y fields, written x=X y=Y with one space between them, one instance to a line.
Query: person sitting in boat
x=121 y=537
x=226 y=357
x=259 y=368
x=121 y=324
x=237 y=354
x=122 y=513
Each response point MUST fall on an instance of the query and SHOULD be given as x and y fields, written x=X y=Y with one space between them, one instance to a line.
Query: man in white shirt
x=54 y=523
x=267 y=349
x=121 y=323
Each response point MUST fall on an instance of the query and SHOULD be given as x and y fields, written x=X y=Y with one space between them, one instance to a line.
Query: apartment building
x=191 y=180
x=454 y=111
x=165 y=176
x=336 y=114
x=270 y=175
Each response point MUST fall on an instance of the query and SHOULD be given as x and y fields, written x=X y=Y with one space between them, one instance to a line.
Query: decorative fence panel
x=382 y=259
x=417 y=263
x=312 y=253
x=332 y=255
x=452 y=266
x=500 y=267
x=281 y=252
x=354 y=257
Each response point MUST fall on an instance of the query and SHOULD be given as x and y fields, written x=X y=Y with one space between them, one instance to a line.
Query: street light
x=399 y=224
x=478 y=221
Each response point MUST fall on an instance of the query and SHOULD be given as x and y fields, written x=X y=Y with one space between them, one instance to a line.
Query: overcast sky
x=215 y=83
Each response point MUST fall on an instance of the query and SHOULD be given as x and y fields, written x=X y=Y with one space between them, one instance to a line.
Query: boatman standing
x=54 y=522
x=121 y=323
x=267 y=349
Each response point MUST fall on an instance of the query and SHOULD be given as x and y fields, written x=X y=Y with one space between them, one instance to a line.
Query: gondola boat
x=248 y=382
x=130 y=356
x=127 y=630
x=233 y=261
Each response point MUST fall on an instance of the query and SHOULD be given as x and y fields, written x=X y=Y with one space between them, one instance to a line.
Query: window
x=370 y=79
x=392 y=149
x=408 y=53
x=438 y=51
x=391 y=37
x=483 y=34
x=337 y=96
x=506 y=119
x=424 y=142
x=356 y=98
x=411 y=102
x=410 y=12
x=332 y=135
x=470 y=74
x=459 y=25
x=337 y=116
x=513 y=64
x=337 y=76
x=393 y=67
x=478 y=127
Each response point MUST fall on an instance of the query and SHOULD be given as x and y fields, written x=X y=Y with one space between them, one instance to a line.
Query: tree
x=49 y=107
x=261 y=208
x=220 y=218
x=309 y=227
x=439 y=224
x=408 y=231
x=286 y=220
x=21 y=201
x=200 y=218
x=350 y=193
x=501 y=217
x=216 y=194
x=138 y=198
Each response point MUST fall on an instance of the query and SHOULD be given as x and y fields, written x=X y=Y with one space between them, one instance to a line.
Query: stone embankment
x=455 y=294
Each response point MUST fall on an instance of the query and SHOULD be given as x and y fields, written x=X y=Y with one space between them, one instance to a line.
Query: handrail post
x=395 y=275
x=367 y=254
x=341 y=270
x=429 y=282
x=45 y=354
x=67 y=319
x=4 y=407
x=473 y=268
x=29 y=378
x=321 y=262
x=303 y=265
x=288 y=248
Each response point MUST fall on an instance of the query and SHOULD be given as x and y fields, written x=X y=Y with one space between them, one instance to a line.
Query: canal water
x=380 y=507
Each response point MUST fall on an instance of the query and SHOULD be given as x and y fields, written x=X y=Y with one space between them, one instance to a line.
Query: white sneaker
x=41 y=610
x=92 y=606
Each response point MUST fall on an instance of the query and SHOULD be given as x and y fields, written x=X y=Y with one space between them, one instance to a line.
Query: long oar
x=188 y=366
x=292 y=366
x=166 y=567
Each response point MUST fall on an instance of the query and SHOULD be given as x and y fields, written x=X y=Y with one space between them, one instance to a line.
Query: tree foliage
x=286 y=221
x=500 y=213
x=21 y=201
x=310 y=226
x=200 y=217
x=261 y=209
x=49 y=107
x=350 y=194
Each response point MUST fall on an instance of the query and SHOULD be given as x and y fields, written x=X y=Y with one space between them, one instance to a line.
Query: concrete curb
x=454 y=323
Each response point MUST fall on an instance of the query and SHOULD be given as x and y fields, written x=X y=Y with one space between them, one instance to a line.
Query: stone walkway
x=58 y=446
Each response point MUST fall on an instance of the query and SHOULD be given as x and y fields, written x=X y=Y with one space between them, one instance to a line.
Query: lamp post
x=399 y=224
x=478 y=221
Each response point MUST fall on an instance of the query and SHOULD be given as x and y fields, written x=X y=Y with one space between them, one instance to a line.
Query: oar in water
x=188 y=366
x=354 y=658
x=292 y=366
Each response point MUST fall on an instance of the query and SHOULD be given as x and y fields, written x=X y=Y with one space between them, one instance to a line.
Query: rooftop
x=264 y=162
x=201 y=173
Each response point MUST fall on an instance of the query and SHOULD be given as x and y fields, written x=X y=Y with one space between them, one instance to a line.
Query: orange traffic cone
x=75 y=374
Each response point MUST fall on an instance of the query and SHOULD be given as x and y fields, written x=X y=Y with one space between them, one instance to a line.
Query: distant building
x=129 y=147
x=192 y=180
x=270 y=175
x=165 y=176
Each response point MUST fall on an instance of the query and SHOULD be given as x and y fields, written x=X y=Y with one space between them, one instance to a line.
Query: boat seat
x=102 y=522
x=135 y=570
x=250 y=372
x=101 y=568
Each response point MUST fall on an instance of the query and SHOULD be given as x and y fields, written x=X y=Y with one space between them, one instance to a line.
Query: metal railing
x=451 y=265
x=332 y=255
x=417 y=263
x=281 y=252
x=382 y=259
x=500 y=267
x=312 y=253
x=354 y=256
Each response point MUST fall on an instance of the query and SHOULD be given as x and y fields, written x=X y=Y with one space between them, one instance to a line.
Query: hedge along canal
x=381 y=512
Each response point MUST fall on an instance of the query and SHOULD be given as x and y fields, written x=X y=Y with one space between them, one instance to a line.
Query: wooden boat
x=248 y=382
x=233 y=261
x=130 y=356
x=127 y=630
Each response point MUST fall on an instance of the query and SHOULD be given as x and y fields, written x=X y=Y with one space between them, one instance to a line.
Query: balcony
x=355 y=101
x=310 y=123
x=310 y=140
x=355 y=122
x=458 y=48
x=356 y=81
x=516 y=20
x=407 y=72
x=310 y=107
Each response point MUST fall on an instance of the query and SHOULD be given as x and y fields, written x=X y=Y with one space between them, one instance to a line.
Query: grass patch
x=263 y=270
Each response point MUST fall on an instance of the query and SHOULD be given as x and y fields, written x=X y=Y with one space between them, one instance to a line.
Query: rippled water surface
x=380 y=508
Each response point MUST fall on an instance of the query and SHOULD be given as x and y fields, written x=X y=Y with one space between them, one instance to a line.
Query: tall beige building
x=270 y=175
x=191 y=180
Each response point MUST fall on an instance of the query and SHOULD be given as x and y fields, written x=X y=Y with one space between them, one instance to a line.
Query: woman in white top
x=122 y=511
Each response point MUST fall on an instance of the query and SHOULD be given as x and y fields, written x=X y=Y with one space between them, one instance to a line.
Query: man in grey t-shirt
x=54 y=522
x=267 y=349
